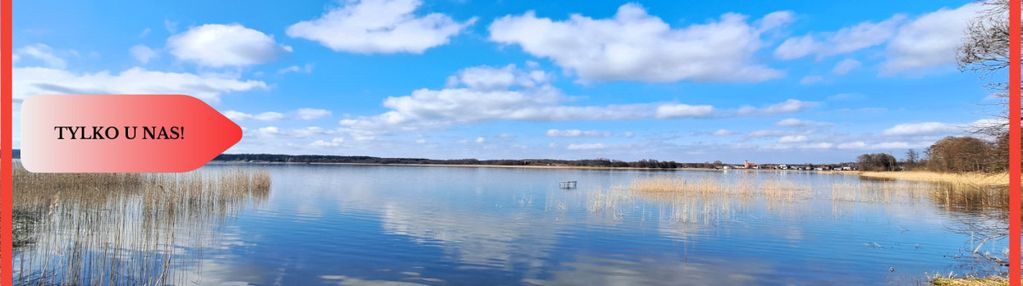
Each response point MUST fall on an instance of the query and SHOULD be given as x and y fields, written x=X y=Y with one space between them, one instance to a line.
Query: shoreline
x=537 y=167
x=980 y=179
x=471 y=166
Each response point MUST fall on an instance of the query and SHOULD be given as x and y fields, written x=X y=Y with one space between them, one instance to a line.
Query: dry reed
x=969 y=281
x=123 y=229
x=707 y=199
x=704 y=200
x=973 y=179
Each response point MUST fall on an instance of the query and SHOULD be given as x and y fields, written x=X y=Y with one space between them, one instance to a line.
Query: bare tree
x=912 y=158
x=985 y=49
x=961 y=155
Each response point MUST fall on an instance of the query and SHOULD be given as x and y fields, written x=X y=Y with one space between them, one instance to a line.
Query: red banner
x=122 y=133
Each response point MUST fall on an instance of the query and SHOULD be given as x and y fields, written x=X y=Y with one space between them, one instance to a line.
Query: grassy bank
x=971 y=281
x=977 y=179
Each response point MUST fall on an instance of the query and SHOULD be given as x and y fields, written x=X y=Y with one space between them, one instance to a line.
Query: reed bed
x=123 y=229
x=706 y=187
x=970 y=281
x=954 y=197
x=713 y=199
x=704 y=200
x=970 y=179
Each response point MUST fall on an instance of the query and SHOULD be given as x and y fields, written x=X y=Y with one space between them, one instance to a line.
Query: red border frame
x=1014 y=143
x=6 y=185
x=6 y=171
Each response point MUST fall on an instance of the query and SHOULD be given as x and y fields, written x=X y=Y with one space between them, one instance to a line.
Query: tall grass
x=969 y=281
x=705 y=187
x=123 y=229
x=707 y=199
x=698 y=200
x=969 y=179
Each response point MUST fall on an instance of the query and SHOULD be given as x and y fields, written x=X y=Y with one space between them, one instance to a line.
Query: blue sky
x=780 y=81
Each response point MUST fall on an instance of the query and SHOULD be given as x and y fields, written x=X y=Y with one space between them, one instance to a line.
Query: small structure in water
x=567 y=185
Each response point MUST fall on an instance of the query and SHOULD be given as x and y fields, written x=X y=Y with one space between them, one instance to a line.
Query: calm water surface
x=398 y=225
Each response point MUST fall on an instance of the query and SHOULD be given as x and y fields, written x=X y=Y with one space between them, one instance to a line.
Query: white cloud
x=775 y=20
x=845 y=66
x=793 y=122
x=723 y=133
x=312 y=113
x=265 y=116
x=268 y=131
x=768 y=133
x=811 y=79
x=209 y=87
x=930 y=40
x=576 y=133
x=792 y=139
x=989 y=124
x=788 y=106
x=797 y=47
x=483 y=93
x=43 y=54
x=634 y=45
x=469 y=99
x=921 y=128
x=490 y=78
x=846 y=96
x=301 y=113
x=861 y=145
x=818 y=145
x=142 y=53
x=332 y=143
x=379 y=26
x=845 y=40
x=899 y=145
x=853 y=145
x=307 y=68
x=217 y=45
x=308 y=131
x=585 y=146
x=481 y=140
x=683 y=111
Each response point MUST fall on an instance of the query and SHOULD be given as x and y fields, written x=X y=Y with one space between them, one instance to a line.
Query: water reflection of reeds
x=978 y=212
x=709 y=199
x=960 y=198
x=699 y=200
x=122 y=229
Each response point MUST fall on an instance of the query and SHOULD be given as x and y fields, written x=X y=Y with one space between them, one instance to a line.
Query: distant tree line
x=964 y=154
x=278 y=158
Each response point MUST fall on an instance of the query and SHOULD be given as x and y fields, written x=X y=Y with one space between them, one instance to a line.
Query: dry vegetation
x=701 y=200
x=970 y=281
x=122 y=229
x=771 y=189
x=969 y=179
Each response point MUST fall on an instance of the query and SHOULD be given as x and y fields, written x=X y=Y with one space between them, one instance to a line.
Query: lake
x=411 y=225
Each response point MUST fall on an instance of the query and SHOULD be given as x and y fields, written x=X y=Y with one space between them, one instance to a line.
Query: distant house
x=750 y=165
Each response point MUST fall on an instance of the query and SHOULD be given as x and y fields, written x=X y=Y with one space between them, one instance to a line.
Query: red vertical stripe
x=1014 y=143
x=6 y=185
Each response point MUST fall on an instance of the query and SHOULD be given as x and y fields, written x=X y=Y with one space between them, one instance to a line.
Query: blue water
x=407 y=225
